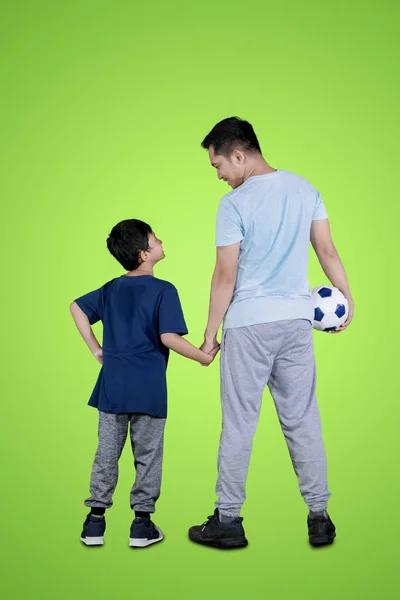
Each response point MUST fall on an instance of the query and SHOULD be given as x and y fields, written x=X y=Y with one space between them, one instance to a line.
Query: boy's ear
x=142 y=257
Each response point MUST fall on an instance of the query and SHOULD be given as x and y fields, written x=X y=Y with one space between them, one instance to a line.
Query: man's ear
x=238 y=157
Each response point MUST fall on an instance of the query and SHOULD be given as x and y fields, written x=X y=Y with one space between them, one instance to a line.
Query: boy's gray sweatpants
x=280 y=355
x=147 y=439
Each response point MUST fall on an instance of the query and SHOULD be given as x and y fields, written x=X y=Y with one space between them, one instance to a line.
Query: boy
x=142 y=320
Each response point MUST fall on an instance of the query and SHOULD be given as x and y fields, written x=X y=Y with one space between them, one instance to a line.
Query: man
x=260 y=288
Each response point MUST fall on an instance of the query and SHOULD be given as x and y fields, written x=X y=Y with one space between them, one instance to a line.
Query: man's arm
x=84 y=328
x=222 y=287
x=331 y=264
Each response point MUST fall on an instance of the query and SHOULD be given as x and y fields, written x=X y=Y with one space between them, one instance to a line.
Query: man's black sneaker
x=321 y=530
x=93 y=531
x=220 y=535
x=143 y=533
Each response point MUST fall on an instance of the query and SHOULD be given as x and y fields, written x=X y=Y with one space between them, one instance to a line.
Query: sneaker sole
x=93 y=541
x=226 y=544
x=143 y=542
x=323 y=541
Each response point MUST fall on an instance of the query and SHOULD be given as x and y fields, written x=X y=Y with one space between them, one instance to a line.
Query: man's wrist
x=209 y=335
x=346 y=293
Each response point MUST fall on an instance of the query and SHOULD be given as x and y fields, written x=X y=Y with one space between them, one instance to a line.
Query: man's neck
x=258 y=167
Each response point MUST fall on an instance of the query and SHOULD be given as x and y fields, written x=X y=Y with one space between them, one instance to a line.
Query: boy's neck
x=142 y=270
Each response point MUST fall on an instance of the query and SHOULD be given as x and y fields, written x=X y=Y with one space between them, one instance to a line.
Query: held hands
x=210 y=347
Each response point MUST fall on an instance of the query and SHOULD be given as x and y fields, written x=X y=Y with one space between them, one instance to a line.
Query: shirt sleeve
x=319 y=210
x=92 y=304
x=170 y=315
x=229 y=224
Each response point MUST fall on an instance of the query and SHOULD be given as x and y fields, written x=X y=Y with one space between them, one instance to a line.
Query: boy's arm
x=331 y=264
x=178 y=344
x=84 y=328
x=222 y=287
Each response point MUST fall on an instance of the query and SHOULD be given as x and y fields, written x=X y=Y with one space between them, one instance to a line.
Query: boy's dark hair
x=230 y=133
x=126 y=240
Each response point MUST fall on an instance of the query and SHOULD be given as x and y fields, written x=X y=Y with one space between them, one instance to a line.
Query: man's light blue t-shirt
x=270 y=215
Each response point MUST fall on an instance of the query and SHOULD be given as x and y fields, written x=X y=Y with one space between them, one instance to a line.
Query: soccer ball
x=330 y=308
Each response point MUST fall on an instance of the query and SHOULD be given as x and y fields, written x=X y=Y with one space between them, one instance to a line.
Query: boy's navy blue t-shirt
x=135 y=311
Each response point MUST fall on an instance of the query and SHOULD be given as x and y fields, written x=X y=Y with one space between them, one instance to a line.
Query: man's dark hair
x=126 y=240
x=229 y=134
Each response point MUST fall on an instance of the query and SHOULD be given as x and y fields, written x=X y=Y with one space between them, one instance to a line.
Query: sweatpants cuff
x=96 y=504
x=317 y=507
x=147 y=509
x=229 y=514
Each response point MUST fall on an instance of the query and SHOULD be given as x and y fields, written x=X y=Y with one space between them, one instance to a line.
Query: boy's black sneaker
x=93 y=531
x=219 y=535
x=143 y=533
x=321 y=530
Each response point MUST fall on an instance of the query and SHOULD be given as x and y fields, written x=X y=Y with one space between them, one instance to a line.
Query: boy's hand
x=98 y=354
x=209 y=356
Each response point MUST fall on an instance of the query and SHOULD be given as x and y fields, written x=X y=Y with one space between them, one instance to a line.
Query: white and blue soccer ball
x=330 y=308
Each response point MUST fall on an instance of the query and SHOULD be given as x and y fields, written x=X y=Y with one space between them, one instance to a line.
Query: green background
x=103 y=108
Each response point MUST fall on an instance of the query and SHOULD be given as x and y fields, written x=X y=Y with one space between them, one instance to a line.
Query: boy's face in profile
x=156 y=250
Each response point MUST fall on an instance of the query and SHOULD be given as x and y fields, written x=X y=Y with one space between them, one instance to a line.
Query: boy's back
x=135 y=311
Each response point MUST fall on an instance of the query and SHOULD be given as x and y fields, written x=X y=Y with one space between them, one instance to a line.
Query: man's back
x=271 y=216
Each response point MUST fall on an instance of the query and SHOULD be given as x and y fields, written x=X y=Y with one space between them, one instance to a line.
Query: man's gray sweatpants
x=147 y=440
x=280 y=355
